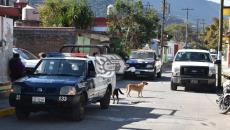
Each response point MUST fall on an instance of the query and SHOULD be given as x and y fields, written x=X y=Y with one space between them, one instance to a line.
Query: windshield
x=142 y=55
x=61 y=67
x=193 y=56
x=25 y=54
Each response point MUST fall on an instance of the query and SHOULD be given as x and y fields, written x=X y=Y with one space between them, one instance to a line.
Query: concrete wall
x=37 y=39
x=6 y=44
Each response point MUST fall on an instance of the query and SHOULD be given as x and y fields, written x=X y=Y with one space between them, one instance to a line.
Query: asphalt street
x=159 y=109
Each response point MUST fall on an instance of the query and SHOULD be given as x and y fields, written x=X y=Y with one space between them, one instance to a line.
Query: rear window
x=193 y=56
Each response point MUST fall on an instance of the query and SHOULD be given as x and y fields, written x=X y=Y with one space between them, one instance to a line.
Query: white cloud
x=226 y=2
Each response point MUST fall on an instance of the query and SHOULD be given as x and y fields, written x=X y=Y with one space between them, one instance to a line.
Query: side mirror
x=126 y=58
x=217 y=62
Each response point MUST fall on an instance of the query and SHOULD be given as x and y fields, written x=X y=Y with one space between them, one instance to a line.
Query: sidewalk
x=5 y=109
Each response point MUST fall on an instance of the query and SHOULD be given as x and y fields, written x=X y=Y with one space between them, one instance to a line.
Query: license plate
x=137 y=72
x=38 y=100
x=194 y=81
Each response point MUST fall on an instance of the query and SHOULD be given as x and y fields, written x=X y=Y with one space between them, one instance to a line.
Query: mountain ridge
x=203 y=9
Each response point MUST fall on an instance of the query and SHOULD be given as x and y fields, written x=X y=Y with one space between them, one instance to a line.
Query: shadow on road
x=116 y=117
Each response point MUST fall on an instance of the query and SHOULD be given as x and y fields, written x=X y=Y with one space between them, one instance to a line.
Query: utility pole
x=186 y=35
x=162 y=27
x=203 y=24
x=220 y=44
x=197 y=28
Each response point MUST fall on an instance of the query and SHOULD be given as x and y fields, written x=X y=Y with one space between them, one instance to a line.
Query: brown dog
x=136 y=87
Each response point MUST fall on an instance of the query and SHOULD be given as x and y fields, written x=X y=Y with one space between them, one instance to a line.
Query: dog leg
x=117 y=99
x=113 y=99
x=138 y=94
x=128 y=95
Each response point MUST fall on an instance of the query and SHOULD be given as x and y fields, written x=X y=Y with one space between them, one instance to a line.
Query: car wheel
x=187 y=88
x=154 y=74
x=213 y=88
x=173 y=86
x=105 y=101
x=159 y=74
x=22 y=114
x=78 y=111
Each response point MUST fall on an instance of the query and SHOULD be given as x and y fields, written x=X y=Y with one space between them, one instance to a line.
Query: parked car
x=66 y=83
x=143 y=62
x=193 y=68
x=29 y=59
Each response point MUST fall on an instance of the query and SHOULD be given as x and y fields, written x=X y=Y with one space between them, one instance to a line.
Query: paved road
x=159 y=109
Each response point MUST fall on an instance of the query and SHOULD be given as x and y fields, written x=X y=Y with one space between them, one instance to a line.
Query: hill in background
x=203 y=9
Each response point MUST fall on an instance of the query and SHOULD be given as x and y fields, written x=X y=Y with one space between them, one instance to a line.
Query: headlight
x=15 y=89
x=68 y=90
x=176 y=71
x=212 y=71
x=149 y=66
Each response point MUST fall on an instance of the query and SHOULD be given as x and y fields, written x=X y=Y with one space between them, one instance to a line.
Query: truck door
x=91 y=81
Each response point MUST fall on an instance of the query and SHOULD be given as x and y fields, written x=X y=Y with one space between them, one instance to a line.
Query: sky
x=226 y=2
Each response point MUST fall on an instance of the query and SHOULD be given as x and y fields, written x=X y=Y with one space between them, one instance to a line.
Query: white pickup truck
x=193 y=68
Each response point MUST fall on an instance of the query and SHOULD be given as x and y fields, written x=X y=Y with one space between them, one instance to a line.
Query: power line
x=187 y=16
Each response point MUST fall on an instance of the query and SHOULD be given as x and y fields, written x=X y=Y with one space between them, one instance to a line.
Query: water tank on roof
x=111 y=10
x=30 y=13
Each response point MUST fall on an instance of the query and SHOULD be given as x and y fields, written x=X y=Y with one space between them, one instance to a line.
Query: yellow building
x=226 y=39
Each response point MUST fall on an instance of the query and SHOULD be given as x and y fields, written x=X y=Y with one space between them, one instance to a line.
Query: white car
x=27 y=58
x=193 y=68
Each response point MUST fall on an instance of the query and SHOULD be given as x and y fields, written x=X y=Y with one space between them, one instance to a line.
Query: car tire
x=173 y=86
x=154 y=74
x=105 y=101
x=159 y=74
x=213 y=88
x=22 y=114
x=78 y=110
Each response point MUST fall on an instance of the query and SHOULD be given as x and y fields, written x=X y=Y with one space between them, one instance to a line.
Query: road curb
x=7 y=111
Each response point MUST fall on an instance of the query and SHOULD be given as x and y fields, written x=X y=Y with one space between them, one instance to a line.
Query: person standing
x=16 y=67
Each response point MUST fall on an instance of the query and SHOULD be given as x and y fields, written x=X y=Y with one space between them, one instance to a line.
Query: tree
x=210 y=36
x=133 y=24
x=65 y=13
x=177 y=31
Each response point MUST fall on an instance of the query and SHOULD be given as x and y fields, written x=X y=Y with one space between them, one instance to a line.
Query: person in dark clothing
x=16 y=67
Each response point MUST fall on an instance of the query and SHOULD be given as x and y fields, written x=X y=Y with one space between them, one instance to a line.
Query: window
x=61 y=67
x=142 y=55
x=193 y=56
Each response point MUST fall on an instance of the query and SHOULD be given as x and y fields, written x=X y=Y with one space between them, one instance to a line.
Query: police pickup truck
x=143 y=62
x=63 y=82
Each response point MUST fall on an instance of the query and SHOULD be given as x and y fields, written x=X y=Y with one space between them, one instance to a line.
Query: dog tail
x=120 y=92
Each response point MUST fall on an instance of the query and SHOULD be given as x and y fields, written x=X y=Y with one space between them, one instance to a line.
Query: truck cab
x=143 y=62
